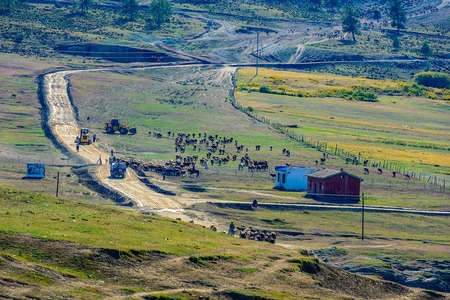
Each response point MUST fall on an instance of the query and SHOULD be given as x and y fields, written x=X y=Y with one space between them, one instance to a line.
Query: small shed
x=35 y=171
x=292 y=178
x=332 y=185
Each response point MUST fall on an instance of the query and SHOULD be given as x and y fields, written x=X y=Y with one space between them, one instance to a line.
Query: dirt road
x=65 y=129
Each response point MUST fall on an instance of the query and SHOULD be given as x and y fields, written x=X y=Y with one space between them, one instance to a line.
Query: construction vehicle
x=118 y=169
x=84 y=138
x=114 y=125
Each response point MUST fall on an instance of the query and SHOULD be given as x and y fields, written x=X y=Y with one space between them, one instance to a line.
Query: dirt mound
x=358 y=286
x=114 y=53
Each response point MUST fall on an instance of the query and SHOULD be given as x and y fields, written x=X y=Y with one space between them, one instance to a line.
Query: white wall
x=295 y=178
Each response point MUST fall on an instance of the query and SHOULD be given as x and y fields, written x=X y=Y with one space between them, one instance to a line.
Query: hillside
x=180 y=79
x=63 y=249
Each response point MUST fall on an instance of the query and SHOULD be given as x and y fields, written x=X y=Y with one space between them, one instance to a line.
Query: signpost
x=362 y=219
x=35 y=170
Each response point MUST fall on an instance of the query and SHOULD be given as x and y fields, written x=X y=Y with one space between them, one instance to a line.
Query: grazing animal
x=394 y=174
x=380 y=171
x=255 y=203
x=272 y=237
x=193 y=172
x=366 y=171
x=407 y=177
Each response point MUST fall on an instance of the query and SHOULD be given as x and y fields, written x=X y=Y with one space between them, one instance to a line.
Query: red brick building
x=332 y=185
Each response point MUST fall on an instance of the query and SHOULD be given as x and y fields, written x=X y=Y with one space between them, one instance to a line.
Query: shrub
x=265 y=89
x=433 y=79
x=425 y=49
x=19 y=38
x=396 y=43
x=364 y=96
x=415 y=89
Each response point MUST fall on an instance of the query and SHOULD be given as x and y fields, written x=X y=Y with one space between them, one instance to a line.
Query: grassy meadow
x=55 y=218
x=404 y=129
x=64 y=248
x=407 y=132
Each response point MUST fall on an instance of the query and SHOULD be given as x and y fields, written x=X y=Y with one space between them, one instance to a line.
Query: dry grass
x=406 y=130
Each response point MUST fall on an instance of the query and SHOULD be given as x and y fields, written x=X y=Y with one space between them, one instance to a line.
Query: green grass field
x=407 y=130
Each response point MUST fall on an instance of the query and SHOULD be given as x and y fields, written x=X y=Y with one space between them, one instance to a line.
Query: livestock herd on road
x=217 y=150
x=216 y=154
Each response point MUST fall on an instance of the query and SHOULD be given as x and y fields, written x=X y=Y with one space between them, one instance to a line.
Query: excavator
x=114 y=125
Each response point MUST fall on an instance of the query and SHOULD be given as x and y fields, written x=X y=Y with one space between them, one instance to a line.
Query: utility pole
x=257 y=52
x=362 y=219
x=57 y=184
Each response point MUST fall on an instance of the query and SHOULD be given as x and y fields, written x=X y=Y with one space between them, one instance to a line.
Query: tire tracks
x=64 y=127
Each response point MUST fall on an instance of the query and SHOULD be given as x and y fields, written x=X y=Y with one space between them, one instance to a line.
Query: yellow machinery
x=85 y=137
x=114 y=125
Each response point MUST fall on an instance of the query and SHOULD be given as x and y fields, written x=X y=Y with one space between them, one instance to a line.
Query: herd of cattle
x=215 y=149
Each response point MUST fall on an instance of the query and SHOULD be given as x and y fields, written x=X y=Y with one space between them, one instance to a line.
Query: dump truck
x=84 y=138
x=114 y=125
x=118 y=169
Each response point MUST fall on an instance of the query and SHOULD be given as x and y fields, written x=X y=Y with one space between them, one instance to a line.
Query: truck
x=118 y=169
x=115 y=125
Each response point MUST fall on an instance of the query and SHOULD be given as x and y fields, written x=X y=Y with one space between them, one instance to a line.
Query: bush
x=265 y=89
x=364 y=96
x=415 y=89
x=433 y=79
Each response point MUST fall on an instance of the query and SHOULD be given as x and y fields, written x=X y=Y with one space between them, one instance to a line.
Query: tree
x=433 y=79
x=7 y=6
x=158 y=13
x=85 y=5
x=396 y=43
x=376 y=14
x=350 y=21
x=333 y=3
x=130 y=8
x=397 y=14
x=425 y=49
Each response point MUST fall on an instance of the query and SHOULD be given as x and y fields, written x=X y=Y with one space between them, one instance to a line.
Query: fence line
x=354 y=158
x=69 y=162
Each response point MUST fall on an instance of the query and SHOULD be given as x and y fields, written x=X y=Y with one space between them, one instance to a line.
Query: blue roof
x=281 y=168
x=284 y=168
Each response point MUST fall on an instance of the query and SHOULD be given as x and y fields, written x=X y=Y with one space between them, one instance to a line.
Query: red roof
x=327 y=173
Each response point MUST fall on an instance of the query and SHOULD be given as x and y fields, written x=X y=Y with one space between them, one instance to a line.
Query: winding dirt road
x=65 y=129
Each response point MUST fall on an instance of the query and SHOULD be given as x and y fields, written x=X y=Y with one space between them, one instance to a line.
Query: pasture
x=410 y=132
x=181 y=100
x=185 y=102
